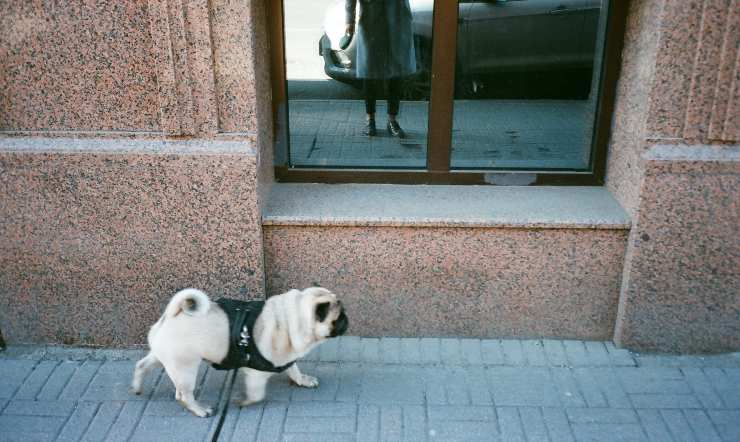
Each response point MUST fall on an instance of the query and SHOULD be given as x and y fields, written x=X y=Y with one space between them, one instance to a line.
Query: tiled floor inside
x=524 y=134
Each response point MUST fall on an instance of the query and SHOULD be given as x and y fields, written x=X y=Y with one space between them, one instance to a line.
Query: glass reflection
x=363 y=101
x=526 y=89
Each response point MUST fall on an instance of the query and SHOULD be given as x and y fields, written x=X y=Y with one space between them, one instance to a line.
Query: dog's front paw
x=307 y=381
x=134 y=390
x=245 y=403
x=202 y=412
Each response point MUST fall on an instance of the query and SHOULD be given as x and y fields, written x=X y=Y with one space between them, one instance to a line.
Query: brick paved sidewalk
x=387 y=389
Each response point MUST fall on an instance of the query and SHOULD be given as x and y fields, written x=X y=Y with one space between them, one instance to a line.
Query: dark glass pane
x=527 y=82
x=336 y=75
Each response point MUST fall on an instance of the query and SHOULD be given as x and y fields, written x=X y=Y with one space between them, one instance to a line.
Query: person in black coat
x=385 y=53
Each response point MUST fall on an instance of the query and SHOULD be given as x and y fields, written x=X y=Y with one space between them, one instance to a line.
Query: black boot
x=370 y=129
x=395 y=129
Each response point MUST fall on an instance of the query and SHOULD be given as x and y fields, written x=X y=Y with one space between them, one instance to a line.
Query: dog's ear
x=322 y=310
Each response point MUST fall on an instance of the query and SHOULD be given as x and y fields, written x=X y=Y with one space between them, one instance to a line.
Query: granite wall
x=673 y=166
x=135 y=152
x=443 y=281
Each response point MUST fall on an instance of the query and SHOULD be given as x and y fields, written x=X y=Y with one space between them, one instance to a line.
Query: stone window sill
x=443 y=206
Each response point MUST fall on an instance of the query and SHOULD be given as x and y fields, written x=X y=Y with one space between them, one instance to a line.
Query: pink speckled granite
x=72 y=65
x=94 y=240
x=679 y=36
x=631 y=106
x=404 y=281
x=713 y=31
x=725 y=117
x=681 y=290
x=235 y=48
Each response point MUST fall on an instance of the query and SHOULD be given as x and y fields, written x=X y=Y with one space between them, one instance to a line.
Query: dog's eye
x=322 y=310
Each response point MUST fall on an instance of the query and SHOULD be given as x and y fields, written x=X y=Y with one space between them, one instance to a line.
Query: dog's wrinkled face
x=330 y=320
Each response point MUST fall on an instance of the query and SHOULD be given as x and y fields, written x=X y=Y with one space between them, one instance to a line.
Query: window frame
x=441 y=104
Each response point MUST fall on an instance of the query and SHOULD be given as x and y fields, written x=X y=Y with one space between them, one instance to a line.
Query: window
x=493 y=91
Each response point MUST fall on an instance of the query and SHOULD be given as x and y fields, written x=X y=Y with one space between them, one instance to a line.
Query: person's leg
x=394 y=101
x=369 y=88
x=394 y=97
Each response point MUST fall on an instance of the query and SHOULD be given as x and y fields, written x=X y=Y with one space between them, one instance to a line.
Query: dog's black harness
x=243 y=351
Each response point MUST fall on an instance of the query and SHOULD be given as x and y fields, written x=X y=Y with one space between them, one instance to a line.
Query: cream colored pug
x=260 y=338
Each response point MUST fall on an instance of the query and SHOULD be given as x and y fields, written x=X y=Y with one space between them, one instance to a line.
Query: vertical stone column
x=675 y=166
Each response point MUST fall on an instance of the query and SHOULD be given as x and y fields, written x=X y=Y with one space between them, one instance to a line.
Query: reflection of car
x=495 y=39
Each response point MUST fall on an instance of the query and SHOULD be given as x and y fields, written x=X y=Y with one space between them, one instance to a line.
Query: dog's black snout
x=340 y=325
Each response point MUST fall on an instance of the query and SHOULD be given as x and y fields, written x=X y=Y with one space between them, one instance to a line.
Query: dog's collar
x=243 y=351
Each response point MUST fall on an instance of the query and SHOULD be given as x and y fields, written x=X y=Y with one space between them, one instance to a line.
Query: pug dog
x=261 y=338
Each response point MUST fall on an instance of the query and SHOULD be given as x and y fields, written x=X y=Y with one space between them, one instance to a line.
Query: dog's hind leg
x=255 y=384
x=142 y=368
x=184 y=376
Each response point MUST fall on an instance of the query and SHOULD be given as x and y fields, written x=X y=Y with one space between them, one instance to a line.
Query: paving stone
x=608 y=433
x=429 y=350
x=79 y=421
x=389 y=386
x=368 y=423
x=575 y=351
x=411 y=351
x=36 y=380
x=414 y=423
x=649 y=380
x=513 y=353
x=329 y=351
x=463 y=431
x=58 y=379
x=601 y=416
x=391 y=423
x=471 y=351
x=171 y=428
x=491 y=352
x=39 y=408
x=702 y=388
x=677 y=425
x=451 y=352
x=570 y=395
x=523 y=386
x=104 y=418
x=589 y=387
x=534 y=353
x=460 y=413
x=371 y=350
x=619 y=356
x=271 y=424
x=727 y=423
x=127 y=420
x=350 y=382
x=350 y=348
x=321 y=409
x=597 y=353
x=435 y=391
x=80 y=380
x=475 y=378
x=12 y=375
x=322 y=425
x=112 y=382
x=390 y=350
x=725 y=382
x=664 y=401
x=654 y=426
x=30 y=428
x=554 y=352
x=534 y=424
x=611 y=387
x=703 y=428
x=318 y=437
x=510 y=425
x=557 y=424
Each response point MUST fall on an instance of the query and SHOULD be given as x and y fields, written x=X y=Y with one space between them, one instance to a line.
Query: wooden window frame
x=441 y=103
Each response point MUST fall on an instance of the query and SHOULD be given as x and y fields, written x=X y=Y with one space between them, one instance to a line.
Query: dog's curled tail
x=192 y=302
